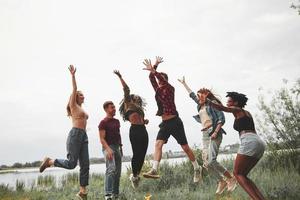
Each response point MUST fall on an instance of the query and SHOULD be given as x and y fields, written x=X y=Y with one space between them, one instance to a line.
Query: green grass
x=277 y=182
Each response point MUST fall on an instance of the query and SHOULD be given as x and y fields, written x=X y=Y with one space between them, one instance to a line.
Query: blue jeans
x=77 y=149
x=113 y=171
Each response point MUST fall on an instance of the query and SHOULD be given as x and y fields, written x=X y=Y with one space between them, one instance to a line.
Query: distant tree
x=17 y=165
x=280 y=117
x=3 y=167
x=26 y=165
x=36 y=163
x=296 y=6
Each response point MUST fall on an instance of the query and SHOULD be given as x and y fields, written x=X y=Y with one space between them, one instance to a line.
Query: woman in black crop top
x=132 y=110
x=251 y=148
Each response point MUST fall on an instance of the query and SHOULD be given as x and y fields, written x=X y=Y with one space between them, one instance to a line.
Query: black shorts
x=172 y=127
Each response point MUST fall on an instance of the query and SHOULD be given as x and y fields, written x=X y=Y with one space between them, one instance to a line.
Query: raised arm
x=160 y=77
x=120 y=77
x=158 y=61
x=149 y=67
x=72 y=102
x=182 y=81
x=157 y=74
x=125 y=86
x=152 y=69
x=191 y=93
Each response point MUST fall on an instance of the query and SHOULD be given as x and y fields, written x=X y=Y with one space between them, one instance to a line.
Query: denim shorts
x=251 y=145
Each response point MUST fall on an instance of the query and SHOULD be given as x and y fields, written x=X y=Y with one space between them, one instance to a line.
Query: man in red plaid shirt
x=171 y=123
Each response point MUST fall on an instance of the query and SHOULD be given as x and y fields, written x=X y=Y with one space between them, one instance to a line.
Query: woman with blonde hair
x=77 y=141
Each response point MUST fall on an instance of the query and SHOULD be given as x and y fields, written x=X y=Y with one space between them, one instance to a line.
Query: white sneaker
x=221 y=187
x=108 y=197
x=134 y=181
x=198 y=174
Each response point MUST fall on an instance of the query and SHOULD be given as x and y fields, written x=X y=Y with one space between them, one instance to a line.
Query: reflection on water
x=30 y=176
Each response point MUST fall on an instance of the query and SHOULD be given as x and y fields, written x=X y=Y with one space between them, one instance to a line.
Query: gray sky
x=224 y=45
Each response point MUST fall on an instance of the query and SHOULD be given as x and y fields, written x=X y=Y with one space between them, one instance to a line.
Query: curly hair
x=240 y=98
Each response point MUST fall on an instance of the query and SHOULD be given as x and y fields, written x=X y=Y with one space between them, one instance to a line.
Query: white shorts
x=252 y=145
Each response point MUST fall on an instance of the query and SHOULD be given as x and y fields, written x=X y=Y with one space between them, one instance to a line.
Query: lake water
x=30 y=176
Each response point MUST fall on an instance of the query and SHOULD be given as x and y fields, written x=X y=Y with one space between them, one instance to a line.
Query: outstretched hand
x=118 y=73
x=72 y=70
x=158 y=60
x=182 y=80
x=149 y=67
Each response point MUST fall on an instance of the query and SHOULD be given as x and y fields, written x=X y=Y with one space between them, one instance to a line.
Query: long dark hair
x=135 y=99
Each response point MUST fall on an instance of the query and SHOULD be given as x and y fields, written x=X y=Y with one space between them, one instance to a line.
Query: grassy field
x=278 y=176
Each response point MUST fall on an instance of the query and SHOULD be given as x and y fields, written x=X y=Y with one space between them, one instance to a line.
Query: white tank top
x=205 y=120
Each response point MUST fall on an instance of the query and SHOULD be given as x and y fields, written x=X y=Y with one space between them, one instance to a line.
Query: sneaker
x=45 y=164
x=81 y=196
x=198 y=175
x=134 y=181
x=151 y=174
x=231 y=184
x=221 y=187
x=108 y=197
x=148 y=197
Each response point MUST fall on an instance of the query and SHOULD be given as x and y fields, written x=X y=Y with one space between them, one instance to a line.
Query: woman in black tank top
x=243 y=123
x=132 y=109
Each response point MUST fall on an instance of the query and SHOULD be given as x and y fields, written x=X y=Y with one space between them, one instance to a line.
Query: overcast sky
x=224 y=45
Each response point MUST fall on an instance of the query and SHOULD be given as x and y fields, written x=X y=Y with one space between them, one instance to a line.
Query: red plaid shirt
x=164 y=95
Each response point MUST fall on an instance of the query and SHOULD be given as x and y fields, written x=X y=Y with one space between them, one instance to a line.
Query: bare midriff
x=136 y=118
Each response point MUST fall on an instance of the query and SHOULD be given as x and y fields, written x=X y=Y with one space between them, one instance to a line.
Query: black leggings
x=139 y=142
